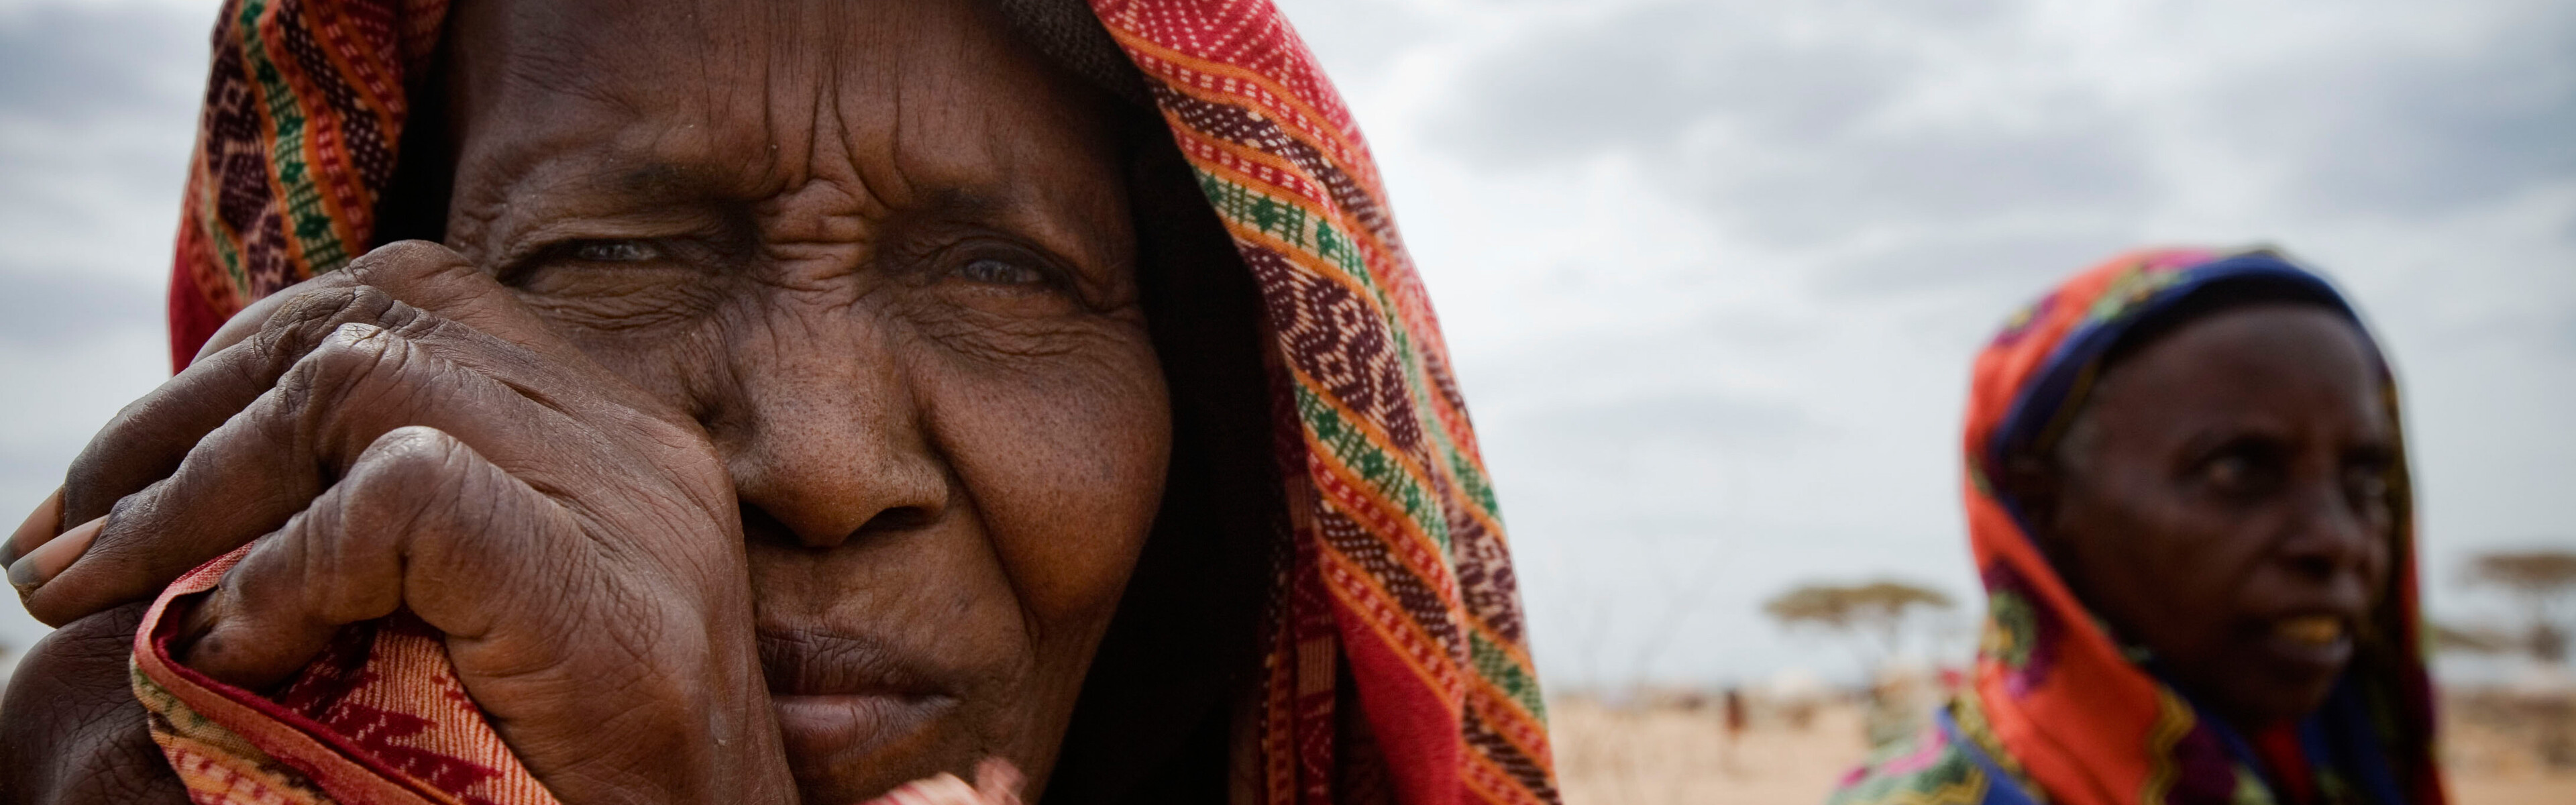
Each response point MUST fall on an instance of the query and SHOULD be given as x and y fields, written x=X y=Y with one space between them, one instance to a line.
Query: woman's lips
x=822 y=728
x=839 y=696
x=2310 y=630
x=2320 y=640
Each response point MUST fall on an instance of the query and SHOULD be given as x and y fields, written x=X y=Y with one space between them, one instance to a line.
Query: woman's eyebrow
x=605 y=187
x=650 y=179
x=971 y=203
x=1019 y=213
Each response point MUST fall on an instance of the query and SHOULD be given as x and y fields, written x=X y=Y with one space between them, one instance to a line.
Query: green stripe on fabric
x=1291 y=224
x=1498 y=666
x=1471 y=479
x=228 y=251
x=1354 y=449
x=1302 y=228
x=307 y=221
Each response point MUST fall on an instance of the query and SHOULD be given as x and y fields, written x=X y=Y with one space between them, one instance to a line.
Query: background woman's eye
x=2231 y=470
x=615 y=251
x=2242 y=469
x=2366 y=483
x=1000 y=272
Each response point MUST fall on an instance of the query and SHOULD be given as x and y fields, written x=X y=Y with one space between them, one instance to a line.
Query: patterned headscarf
x=1397 y=583
x=2057 y=710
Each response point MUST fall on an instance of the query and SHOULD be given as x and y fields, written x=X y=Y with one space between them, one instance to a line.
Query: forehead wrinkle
x=602 y=184
x=849 y=65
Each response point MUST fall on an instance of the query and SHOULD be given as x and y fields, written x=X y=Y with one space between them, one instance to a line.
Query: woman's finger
x=146 y=440
x=249 y=476
x=41 y=525
x=49 y=559
x=418 y=515
x=608 y=670
x=403 y=287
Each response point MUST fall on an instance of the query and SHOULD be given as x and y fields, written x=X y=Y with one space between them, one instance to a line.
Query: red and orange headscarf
x=2057 y=711
x=1399 y=583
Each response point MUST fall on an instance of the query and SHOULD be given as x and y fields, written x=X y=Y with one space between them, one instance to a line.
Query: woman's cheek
x=1065 y=458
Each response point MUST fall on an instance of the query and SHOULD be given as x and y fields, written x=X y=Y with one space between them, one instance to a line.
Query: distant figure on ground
x=1735 y=724
x=2187 y=497
x=1734 y=713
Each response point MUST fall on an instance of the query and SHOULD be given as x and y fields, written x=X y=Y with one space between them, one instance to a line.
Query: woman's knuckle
x=312 y=316
x=406 y=260
x=403 y=475
x=355 y=356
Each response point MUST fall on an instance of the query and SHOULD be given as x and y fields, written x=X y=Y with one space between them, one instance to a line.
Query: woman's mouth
x=839 y=697
x=2316 y=639
x=2310 y=630
x=827 y=727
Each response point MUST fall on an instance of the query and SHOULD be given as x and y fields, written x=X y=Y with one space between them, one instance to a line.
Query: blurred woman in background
x=2187 y=497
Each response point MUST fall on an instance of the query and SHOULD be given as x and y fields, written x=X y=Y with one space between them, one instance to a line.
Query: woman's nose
x=826 y=456
x=2329 y=542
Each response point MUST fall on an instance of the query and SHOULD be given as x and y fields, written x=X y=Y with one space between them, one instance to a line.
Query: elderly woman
x=782 y=401
x=2187 y=496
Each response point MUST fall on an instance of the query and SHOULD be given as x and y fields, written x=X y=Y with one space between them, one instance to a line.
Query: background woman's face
x=2224 y=503
x=885 y=256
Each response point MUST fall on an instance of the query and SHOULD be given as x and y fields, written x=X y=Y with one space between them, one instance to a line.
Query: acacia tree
x=1878 y=611
x=2535 y=580
x=2471 y=639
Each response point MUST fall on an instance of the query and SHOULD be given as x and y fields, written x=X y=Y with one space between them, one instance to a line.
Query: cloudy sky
x=1713 y=270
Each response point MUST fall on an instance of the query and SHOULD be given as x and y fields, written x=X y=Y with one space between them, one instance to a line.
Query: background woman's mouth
x=2322 y=641
x=2311 y=630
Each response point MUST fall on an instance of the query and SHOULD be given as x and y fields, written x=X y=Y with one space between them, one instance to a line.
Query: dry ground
x=1670 y=754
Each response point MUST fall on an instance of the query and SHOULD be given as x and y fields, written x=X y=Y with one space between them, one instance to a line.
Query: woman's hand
x=71 y=731
x=411 y=438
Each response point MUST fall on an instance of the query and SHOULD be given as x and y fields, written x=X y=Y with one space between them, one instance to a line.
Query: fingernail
x=40 y=526
x=48 y=560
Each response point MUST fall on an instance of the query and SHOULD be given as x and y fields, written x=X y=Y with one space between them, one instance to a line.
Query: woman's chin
x=2255 y=698
x=846 y=747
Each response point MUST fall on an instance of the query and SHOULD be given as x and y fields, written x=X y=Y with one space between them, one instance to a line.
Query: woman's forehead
x=574 y=108
x=2289 y=357
x=778 y=88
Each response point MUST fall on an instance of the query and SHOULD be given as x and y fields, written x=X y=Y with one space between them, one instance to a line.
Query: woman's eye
x=615 y=251
x=2246 y=469
x=1000 y=272
x=2231 y=471
x=2366 y=484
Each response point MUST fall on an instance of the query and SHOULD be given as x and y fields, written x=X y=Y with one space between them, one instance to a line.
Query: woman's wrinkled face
x=885 y=256
x=2223 y=501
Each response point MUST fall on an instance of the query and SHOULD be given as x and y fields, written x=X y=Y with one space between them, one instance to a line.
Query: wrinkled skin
x=2223 y=501
x=799 y=348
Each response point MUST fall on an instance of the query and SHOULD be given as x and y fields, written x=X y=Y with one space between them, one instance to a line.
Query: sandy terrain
x=1671 y=754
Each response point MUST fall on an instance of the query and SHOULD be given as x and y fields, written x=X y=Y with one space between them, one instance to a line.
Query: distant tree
x=2472 y=639
x=1877 y=611
x=2535 y=580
